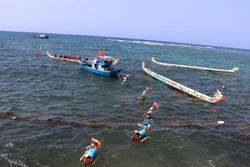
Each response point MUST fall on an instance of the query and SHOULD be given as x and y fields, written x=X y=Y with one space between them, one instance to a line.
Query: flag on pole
x=156 y=105
x=99 y=53
x=95 y=142
x=127 y=75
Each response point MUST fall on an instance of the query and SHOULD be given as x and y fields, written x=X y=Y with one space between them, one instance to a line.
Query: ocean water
x=49 y=109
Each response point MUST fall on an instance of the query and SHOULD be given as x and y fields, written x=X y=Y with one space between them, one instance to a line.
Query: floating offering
x=90 y=153
x=195 y=67
x=218 y=97
x=142 y=134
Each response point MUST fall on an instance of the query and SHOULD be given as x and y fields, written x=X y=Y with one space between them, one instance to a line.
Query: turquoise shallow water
x=81 y=105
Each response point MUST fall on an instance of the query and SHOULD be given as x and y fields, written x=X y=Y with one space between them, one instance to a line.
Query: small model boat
x=142 y=134
x=139 y=135
x=90 y=153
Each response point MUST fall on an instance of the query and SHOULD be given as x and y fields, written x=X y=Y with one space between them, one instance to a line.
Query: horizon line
x=231 y=48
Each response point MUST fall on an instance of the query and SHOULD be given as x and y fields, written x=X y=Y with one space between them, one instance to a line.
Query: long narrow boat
x=216 y=98
x=61 y=58
x=195 y=67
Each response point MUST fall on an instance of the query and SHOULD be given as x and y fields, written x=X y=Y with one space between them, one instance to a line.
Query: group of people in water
x=91 y=150
x=146 y=126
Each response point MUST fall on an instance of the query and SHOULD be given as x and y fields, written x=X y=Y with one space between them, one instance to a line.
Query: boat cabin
x=104 y=63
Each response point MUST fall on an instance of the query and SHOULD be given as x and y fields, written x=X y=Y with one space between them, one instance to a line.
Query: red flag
x=37 y=52
x=99 y=53
x=156 y=105
x=127 y=75
x=147 y=88
x=95 y=142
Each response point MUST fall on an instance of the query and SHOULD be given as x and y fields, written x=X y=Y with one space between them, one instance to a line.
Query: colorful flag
x=156 y=105
x=95 y=142
x=99 y=53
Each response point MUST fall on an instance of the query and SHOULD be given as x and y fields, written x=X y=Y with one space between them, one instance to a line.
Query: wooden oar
x=82 y=158
x=95 y=159
x=144 y=139
x=83 y=155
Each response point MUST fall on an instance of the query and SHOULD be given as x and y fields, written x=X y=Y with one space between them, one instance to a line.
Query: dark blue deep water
x=58 y=106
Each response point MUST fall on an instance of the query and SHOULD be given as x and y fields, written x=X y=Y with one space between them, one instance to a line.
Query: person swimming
x=124 y=82
x=125 y=78
x=149 y=113
x=142 y=97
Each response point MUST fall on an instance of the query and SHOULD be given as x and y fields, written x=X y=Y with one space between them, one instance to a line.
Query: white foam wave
x=210 y=162
x=9 y=145
x=161 y=43
x=7 y=156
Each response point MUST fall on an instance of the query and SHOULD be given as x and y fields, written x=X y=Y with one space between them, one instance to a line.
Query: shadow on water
x=242 y=129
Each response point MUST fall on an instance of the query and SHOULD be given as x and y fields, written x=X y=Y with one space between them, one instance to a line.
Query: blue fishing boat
x=104 y=65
